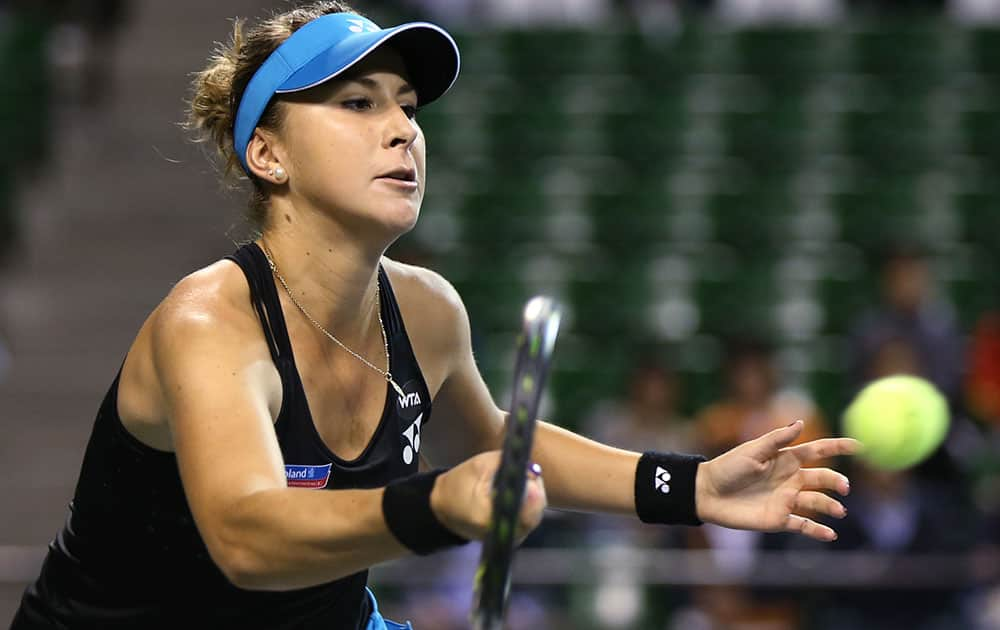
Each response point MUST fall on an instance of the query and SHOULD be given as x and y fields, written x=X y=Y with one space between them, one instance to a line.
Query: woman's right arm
x=261 y=533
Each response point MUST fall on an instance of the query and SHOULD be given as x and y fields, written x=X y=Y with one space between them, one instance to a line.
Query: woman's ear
x=263 y=160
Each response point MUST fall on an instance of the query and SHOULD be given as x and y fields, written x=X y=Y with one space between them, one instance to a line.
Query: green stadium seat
x=494 y=222
x=880 y=216
x=25 y=96
x=492 y=291
x=524 y=136
x=769 y=141
x=894 y=140
x=830 y=391
x=843 y=299
x=980 y=217
x=917 y=47
x=629 y=225
x=660 y=59
x=740 y=303
x=984 y=44
x=609 y=297
x=794 y=57
x=9 y=217
x=649 y=138
x=578 y=381
x=981 y=132
x=972 y=284
x=753 y=221
x=547 y=54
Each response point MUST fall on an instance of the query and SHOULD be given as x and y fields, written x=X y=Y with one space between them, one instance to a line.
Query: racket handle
x=487 y=624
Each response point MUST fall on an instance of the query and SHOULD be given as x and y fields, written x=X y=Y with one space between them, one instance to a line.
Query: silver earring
x=279 y=174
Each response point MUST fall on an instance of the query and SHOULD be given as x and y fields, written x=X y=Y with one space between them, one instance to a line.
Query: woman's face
x=352 y=147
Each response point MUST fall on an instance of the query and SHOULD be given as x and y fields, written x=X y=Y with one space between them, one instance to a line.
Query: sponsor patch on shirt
x=300 y=476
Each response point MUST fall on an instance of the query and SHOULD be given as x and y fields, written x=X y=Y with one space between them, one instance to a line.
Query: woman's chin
x=400 y=217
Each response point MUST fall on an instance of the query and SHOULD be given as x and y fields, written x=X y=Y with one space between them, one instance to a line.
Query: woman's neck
x=333 y=277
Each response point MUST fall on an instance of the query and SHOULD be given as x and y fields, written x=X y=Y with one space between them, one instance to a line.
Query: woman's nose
x=402 y=129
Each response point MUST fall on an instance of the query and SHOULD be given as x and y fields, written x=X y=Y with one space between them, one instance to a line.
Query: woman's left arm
x=762 y=484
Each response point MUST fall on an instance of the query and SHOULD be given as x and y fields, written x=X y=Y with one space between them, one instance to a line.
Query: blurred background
x=750 y=208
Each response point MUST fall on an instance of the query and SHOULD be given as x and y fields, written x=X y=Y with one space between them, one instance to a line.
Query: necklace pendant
x=399 y=390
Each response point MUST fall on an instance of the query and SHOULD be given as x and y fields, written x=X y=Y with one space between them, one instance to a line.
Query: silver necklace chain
x=386 y=374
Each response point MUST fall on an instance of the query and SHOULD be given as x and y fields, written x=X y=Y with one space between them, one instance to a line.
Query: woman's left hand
x=762 y=485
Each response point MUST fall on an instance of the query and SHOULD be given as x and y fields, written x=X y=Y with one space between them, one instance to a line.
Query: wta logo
x=408 y=400
x=301 y=476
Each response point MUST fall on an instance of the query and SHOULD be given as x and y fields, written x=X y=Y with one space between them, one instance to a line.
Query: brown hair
x=218 y=89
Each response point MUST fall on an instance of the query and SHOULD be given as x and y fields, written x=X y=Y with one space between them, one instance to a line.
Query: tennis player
x=259 y=448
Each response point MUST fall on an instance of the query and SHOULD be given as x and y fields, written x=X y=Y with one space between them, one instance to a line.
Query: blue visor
x=327 y=46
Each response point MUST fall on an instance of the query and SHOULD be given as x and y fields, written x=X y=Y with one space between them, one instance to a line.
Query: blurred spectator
x=897 y=512
x=982 y=383
x=754 y=403
x=82 y=46
x=446 y=604
x=982 y=400
x=647 y=417
x=909 y=312
x=47 y=46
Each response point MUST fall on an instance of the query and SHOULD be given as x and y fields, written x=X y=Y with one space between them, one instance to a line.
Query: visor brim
x=429 y=53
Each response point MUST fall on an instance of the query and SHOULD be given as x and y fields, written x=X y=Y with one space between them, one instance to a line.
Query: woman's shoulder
x=414 y=285
x=436 y=321
x=214 y=298
x=206 y=314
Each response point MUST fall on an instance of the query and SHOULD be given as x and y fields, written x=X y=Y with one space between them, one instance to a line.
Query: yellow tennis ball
x=900 y=420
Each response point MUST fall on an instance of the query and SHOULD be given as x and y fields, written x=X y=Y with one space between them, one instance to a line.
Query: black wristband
x=664 y=488
x=406 y=507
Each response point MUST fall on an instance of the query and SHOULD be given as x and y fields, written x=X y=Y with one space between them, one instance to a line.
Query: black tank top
x=130 y=556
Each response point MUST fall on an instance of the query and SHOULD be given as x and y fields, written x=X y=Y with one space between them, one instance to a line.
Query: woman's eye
x=358 y=104
x=410 y=110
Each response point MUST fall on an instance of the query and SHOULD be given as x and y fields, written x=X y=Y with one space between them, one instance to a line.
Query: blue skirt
x=376 y=622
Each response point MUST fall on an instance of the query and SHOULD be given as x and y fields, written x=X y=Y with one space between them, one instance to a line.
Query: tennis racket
x=540 y=326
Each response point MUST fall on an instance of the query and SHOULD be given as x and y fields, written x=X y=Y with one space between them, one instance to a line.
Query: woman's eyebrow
x=405 y=88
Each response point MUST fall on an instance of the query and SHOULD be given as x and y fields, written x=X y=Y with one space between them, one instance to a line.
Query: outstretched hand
x=762 y=485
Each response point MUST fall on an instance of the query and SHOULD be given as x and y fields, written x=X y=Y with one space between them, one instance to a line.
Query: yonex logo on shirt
x=660 y=479
x=412 y=435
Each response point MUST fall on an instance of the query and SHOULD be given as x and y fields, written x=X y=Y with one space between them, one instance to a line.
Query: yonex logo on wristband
x=660 y=479
x=669 y=500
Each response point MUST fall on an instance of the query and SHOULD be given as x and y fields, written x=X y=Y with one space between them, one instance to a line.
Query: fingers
x=825 y=448
x=533 y=507
x=768 y=445
x=819 y=503
x=808 y=527
x=825 y=479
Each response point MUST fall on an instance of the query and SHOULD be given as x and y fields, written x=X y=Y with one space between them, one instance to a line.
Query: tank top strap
x=391 y=316
x=265 y=300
